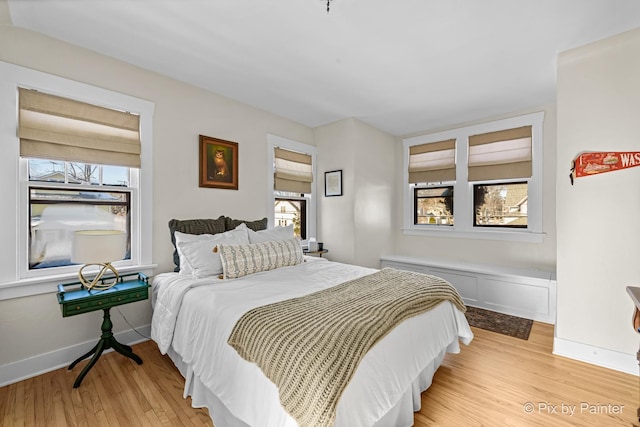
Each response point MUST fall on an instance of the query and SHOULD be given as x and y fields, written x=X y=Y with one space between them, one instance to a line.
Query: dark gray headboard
x=208 y=226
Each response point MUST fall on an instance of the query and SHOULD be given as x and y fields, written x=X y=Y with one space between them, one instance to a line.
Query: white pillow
x=184 y=238
x=271 y=234
x=199 y=256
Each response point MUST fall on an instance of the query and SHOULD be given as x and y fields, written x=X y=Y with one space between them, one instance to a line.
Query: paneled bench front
x=528 y=293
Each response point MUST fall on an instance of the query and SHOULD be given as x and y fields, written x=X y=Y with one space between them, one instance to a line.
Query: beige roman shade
x=293 y=171
x=504 y=154
x=53 y=127
x=433 y=162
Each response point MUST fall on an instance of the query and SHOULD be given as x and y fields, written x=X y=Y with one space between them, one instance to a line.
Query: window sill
x=49 y=284
x=451 y=232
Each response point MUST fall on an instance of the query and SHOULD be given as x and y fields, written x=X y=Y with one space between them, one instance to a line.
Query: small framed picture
x=218 y=163
x=333 y=183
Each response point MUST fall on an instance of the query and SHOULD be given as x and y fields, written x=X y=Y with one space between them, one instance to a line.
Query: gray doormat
x=497 y=322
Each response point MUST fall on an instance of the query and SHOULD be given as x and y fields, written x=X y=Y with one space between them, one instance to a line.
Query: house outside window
x=291 y=209
x=434 y=205
x=500 y=205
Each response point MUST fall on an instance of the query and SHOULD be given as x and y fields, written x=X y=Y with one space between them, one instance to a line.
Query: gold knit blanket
x=310 y=347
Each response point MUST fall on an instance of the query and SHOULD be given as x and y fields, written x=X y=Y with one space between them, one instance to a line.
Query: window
x=40 y=159
x=292 y=210
x=500 y=205
x=293 y=178
x=434 y=205
x=434 y=162
x=59 y=205
x=491 y=173
x=62 y=141
x=77 y=173
x=500 y=157
x=291 y=185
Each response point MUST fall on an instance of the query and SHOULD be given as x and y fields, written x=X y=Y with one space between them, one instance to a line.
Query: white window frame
x=274 y=141
x=463 y=189
x=23 y=282
x=26 y=185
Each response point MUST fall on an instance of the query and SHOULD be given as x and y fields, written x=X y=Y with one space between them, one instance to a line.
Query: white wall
x=357 y=227
x=336 y=231
x=33 y=325
x=598 y=217
x=481 y=251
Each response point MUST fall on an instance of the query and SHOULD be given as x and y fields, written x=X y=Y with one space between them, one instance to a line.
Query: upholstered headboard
x=208 y=226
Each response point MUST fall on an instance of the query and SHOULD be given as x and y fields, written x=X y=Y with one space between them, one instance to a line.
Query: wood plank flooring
x=496 y=381
x=503 y=381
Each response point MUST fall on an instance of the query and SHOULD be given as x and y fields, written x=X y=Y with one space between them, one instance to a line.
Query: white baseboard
x=46 y=362
x=615 y=360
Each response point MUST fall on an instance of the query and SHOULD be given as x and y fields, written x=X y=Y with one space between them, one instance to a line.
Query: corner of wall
x=598 y=110
x=357 y=225
x=5 y=14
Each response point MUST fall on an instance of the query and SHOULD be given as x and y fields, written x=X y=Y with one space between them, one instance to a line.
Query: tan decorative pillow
x=241 y=260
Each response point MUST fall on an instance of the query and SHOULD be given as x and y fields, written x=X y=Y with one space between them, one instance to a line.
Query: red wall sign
x=592 y=163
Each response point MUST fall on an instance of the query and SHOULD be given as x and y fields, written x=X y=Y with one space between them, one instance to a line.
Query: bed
x=196 y=312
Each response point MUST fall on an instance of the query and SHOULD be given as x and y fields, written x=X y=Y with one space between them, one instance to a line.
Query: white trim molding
x=49 y=284
x=606 y=358
x=61 y=358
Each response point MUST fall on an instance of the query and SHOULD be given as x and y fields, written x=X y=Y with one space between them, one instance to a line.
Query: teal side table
x=75 y=299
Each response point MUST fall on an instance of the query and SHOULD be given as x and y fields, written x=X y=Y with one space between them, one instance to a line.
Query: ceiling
x=402 y=66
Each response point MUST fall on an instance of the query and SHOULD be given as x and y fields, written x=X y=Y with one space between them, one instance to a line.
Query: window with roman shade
x=496 y=187
x=293 y=171
x=432 y=162
x=504 y=154
x=292 y=195
x=53 y=127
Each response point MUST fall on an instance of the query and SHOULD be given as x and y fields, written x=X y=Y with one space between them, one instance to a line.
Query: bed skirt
x=400 y=415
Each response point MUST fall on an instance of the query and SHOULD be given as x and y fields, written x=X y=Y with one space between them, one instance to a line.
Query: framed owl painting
x=218 y=163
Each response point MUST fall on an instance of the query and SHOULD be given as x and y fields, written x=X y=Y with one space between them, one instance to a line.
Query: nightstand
x=314 y=253
x=75 y=299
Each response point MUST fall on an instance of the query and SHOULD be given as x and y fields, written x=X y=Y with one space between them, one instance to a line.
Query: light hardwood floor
x=495 y=381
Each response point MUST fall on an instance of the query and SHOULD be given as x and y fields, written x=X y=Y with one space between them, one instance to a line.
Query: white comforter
x=195 y=317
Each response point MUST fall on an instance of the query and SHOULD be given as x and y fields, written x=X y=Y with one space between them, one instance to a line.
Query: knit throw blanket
x=310 y=347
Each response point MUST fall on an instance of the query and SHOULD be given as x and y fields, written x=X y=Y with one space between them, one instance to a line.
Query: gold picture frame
x=218 y=163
